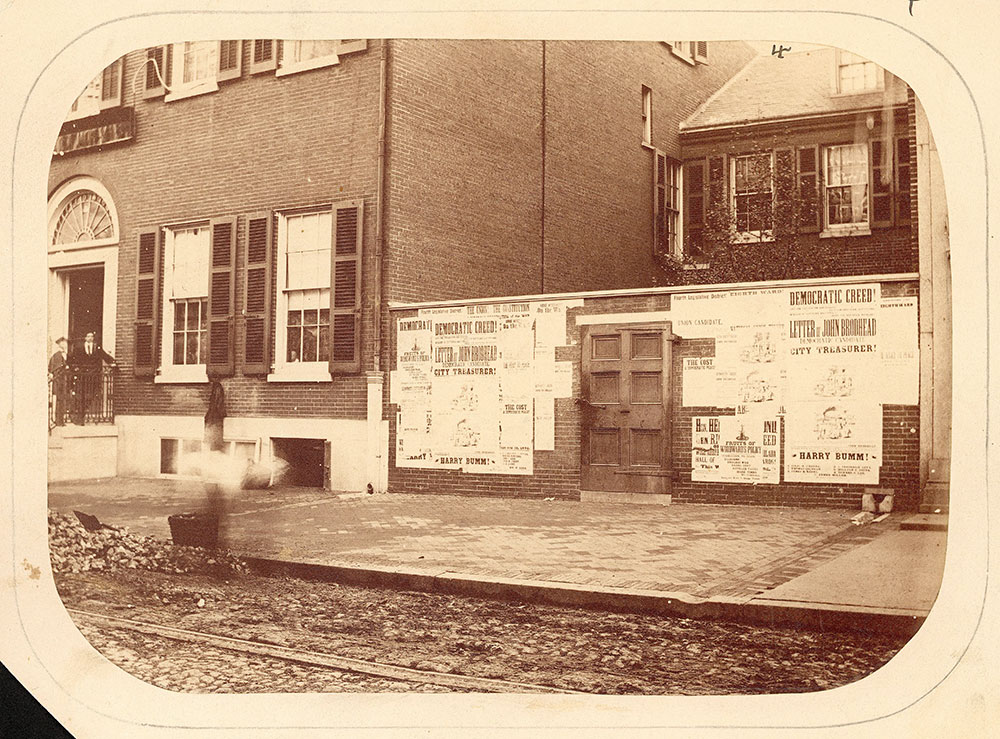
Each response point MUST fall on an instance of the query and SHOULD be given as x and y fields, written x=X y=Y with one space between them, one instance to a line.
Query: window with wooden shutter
x=881 y=179
x=263 y=56
x=345 y=278
x=716 y=200
x=230 y=60
x=785 y=215
x=902 y=181
x=807 y=183
x=666 y=205
x=221 y=295
x=158 y=63
x=257 y=303
x=701 y=51
x=694 y=207
x=111 y=85
x=147 y=303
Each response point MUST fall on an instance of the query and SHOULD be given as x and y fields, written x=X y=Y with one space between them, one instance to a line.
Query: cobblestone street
x=565 y=648
x=194 y=668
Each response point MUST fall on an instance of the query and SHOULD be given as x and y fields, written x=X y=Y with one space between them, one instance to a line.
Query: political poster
x=899 y=350
x=698 y=382
x=833 y=422
x=740 y=449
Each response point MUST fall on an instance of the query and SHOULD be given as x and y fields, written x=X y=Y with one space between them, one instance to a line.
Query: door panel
x=626 y=408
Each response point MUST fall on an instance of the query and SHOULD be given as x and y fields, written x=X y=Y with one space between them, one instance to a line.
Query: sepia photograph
x=494 y=367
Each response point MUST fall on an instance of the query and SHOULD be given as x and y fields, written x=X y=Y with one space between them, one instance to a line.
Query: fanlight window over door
x=84 y=217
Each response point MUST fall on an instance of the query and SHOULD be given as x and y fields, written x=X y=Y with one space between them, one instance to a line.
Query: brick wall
x=533 y=128
x=599 y=197
x=557 y=473
x=258 y=143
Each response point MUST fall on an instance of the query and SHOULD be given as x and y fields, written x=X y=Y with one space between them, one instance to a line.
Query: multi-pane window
x=307 y=240
x=752 y=198
x=304 y=54
x=667 y=217
x=186 y=290
x=855 y=73
x=846 y=177
x=199 y=61
x=190 y=326
x=647 y=115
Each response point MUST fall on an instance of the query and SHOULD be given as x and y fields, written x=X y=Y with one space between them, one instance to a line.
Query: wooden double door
x=625 y=388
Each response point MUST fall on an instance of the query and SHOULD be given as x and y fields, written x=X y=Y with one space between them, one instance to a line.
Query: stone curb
x=757 y=611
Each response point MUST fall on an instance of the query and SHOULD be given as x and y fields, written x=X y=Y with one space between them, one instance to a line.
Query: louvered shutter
x=147 y=304
x=111 y=85
x=660 y=246
x=902 y=180
x=230 y=60
x=257 y=303
x=694 y=207
x=221 y=294
x=158 y=64
x=880 y=183
x=807 y=184
x=784 y=193
x=701 y=51
x=345 y=298
x=262 y=56
x=716 y=204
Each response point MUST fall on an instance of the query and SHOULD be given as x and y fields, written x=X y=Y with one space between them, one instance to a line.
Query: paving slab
x=730 y=555
x=899 y=570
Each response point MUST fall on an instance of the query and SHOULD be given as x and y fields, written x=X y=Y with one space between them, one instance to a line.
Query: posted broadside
x=741 y=449
x=833 y=422
x=476 y=385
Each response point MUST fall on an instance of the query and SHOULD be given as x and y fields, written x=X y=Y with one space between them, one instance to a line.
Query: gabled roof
x=770 y=88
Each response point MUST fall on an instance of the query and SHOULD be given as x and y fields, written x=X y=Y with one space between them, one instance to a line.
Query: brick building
x=245 y=211
x=781 y=362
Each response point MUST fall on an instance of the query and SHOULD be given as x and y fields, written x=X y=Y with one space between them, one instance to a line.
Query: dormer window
x=857 y=74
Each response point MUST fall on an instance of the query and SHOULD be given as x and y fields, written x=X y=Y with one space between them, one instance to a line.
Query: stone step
x=925 y=522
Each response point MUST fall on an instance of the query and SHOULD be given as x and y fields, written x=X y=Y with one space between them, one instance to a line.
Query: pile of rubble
x=76 y=548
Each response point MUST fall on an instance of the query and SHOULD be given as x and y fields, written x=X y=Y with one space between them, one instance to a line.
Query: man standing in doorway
x=59 y=386
x=87 y=364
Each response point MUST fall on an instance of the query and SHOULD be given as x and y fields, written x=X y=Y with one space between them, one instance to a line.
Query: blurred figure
x=214 y=454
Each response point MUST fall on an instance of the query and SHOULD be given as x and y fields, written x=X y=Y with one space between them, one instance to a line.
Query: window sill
x=648 y=145
x=180 y=93
x=176 y=375
x=834 y=233
x=301 y=372
x=749 y=238
x=317 y=63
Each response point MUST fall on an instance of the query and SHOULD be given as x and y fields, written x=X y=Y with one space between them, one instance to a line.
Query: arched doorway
x=83 y=237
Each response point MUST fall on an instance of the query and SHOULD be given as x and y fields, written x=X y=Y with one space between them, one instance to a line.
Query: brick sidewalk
x=701 y=550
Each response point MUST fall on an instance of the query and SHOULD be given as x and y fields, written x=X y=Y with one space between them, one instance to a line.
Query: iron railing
x=82 y=395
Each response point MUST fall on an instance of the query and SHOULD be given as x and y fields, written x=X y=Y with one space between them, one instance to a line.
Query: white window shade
x=297 y=52
x=190 y=263
x=308 y=251
x=199 y=61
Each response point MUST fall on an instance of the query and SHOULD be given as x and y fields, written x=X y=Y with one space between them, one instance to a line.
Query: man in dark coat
x=86 y=363
x=58 y=378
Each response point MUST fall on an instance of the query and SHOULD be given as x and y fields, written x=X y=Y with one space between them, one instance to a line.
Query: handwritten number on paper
x=911 y=6
x=780 y=50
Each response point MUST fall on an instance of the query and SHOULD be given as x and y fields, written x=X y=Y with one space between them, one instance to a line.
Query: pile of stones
x=74 y=547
